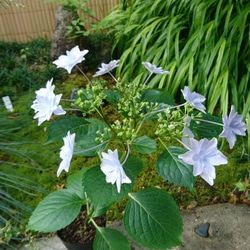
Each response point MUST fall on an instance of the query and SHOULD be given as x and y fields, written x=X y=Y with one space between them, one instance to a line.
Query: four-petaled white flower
x=46 y=103
x=153 y=69
x=204 y=155
x=73 y=57
x=106 y=68
x=113 y=169
x=66 y=152
x=232 y=126
x=194 y=99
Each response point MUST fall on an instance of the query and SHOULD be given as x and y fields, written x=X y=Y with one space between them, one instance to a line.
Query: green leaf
x=56 y=211
x=112 y=96
x=74 y=183
x=85 y=130
x=173 y=169
x=206 y=129
x=157 y=95
x=60 y=127
x=101 y=193
x=153 y=220
x=145 y=145
x=110 y=239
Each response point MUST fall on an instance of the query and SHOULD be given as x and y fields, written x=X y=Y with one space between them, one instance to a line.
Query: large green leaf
x=173 y=169
x=152 y=219
x=85 y=130
x=74 y=183
x=110 y=239
x=60 y=127
x=56 y=211
x=157 y=95
x=207 y=129
x=112 y=96
x=145 y=145
x=101 y=193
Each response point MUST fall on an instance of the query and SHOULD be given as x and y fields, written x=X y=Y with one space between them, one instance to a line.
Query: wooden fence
x=38 y=19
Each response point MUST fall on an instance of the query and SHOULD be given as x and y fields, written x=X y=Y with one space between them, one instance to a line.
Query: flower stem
x=216 y=123
x=147 y=79
x=126 y=155
x=84 y=75
x=67 y=100
x=112 y=76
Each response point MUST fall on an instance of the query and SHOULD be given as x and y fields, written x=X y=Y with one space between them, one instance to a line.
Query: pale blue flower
x=47 y=103
x=194 y=99
x=106 y=68
x=113 y=169
x=73 y=57
x=153 y=69
x=204 y=155
x=66 y=152
x=232 y=126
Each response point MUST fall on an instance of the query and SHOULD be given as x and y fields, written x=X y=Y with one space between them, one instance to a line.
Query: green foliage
x=204 y=44
x=174 y=170
x=144 y=213
x=107 y=238
x=19 y=70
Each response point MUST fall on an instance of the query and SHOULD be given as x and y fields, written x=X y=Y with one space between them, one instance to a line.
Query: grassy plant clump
x=204 y=44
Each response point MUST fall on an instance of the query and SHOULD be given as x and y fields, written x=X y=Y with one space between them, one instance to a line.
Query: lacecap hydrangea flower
x=113 y=169
x=194 y=99
x=47 y=103
x=66 y=152
x=153 y=69
x=204 y=155
x=232 y=126
x=73 y=57
x=106 y=68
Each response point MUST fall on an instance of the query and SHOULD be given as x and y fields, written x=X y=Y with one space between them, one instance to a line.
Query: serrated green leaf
x=60 y=127
x=173 y=169
x=74 y=183
x=145 y=145
x=206 y=129
x=152 y=219
x=112 y=96
x=56 y=211
x=101 y=193
x=110 y=239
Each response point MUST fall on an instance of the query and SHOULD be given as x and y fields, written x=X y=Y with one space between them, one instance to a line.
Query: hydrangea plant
x=151 y=216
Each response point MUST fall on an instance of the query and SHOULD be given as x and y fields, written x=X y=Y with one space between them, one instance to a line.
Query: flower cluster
x=135 y=104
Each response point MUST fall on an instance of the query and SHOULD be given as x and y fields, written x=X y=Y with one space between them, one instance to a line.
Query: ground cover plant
x=204 y=44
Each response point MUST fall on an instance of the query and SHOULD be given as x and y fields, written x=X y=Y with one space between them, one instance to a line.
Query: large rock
x=61 y=43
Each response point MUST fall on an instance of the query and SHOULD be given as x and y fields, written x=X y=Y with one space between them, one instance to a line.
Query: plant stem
x=84 y=75
x=216 y=123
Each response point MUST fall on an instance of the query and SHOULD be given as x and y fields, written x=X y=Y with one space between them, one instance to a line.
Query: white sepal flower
x=46 y=103
x=113 y=169
x=153 y=69
x=232 y=126
x=66 y=152
x=194 y=99
x=204 y=155
x=105 y=68
x=73 y=57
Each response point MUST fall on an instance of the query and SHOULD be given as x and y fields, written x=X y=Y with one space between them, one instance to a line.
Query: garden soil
x=229 y=229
